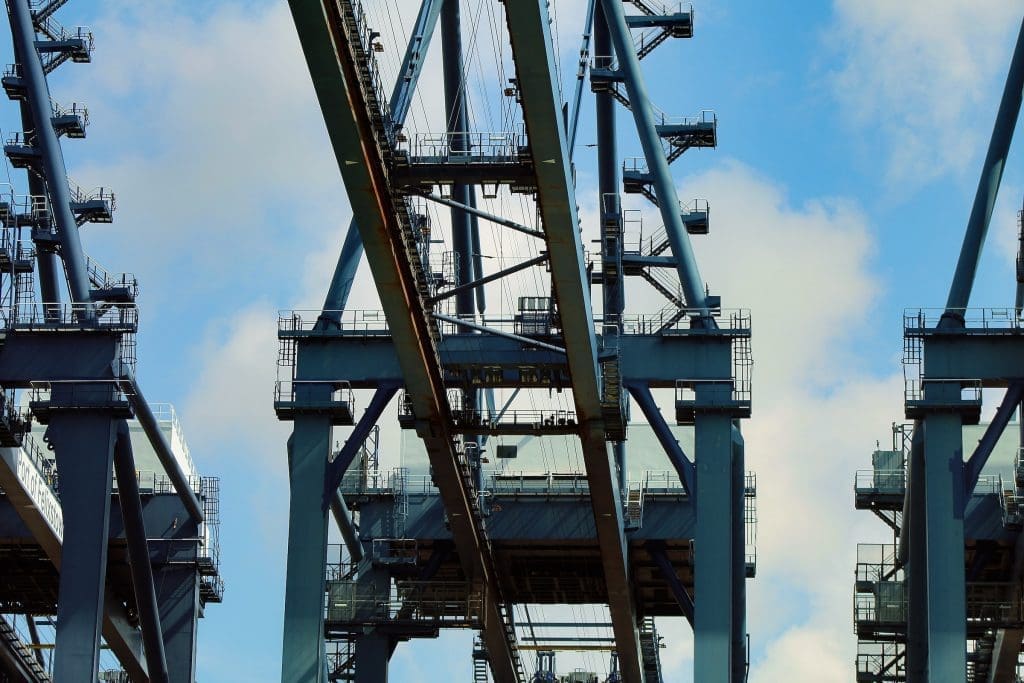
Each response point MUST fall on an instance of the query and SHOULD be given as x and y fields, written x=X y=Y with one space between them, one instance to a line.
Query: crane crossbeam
x=331 y=44
x=532 y=50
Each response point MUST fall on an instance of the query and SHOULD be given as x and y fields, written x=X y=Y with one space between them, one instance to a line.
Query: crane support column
x=944 y=532
x=51 y=156
x=308 y=449
x=664 y=187
x=84 y=444
x=178 y=597
x=713 y=546
x=914 y=554
x=739 y=557
x=457 y=119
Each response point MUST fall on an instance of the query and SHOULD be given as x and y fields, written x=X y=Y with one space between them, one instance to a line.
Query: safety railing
x=96 y=194
x=921 y=320
x=887 y=606
x=996 y=603
x=363 y=41
x=45 y=465
x=540 y=420
x=635 y=165
x=604 y=62
x=156 y=483
x=104 y=280
x=525 y=483
x=706 y=117
x=446 y=604
x=466 y=148
x=740 y=386
x=735 y=321
x=123 y=317
x=877 y=562
x=76 y=109
x=878 y=658
x=1011 y=504
x=363 y=322
x=874 y=481
x=294 y=391
x=915 y=389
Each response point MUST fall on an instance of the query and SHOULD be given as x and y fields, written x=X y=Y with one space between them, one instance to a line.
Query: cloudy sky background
x=851 y=135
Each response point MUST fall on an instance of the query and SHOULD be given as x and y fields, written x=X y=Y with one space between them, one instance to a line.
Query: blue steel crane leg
x=138 y=554
x=178 y=595
x=913 y=552
x=664 y=187
x=713 y=548
x=944 y=533
x=46 y=261
x=308 y=448
x=529 y=29
x=988 y=185
x=373 y=648
x=739 y=556
x=84 y=444
x=401 y=100
x=37 y=94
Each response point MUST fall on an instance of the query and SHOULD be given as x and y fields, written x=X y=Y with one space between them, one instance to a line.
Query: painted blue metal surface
x=668 y=200
x=944 y=532
x=529 y=30
x=84 y=445
x=988 y=185
x=713 y=549
x=138 y=554
x=52 y=158
x=303 y=651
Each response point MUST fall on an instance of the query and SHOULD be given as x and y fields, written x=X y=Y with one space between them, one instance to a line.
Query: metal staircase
x=650 y=646
x=26 y=661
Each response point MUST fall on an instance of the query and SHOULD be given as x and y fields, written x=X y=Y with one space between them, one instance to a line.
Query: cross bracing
x=491 y=338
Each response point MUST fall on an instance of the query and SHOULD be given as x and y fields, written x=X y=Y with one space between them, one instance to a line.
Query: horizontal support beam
x=472 y=210
x=529 y=341
x=656 y=361
x=27 y=357
x=448 y=293
x=996 y=360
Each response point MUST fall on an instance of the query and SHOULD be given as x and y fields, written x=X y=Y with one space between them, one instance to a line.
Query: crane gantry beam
x=348 y=114
x=532 y=50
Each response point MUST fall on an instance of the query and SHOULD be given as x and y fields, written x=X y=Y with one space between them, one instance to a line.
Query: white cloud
x=920 y=80
x=805 y=272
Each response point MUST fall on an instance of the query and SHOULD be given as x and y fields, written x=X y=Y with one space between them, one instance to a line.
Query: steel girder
x=346 y=114
x=532 y=50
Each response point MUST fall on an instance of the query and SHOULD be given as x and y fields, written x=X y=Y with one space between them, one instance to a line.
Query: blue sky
x=851 y=135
